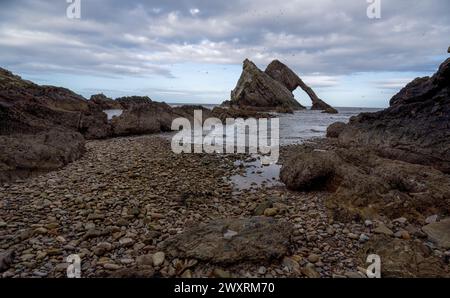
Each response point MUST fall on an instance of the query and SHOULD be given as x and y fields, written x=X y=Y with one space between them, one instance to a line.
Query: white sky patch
x=395 y=83
x=321 y=81
x=194 y=11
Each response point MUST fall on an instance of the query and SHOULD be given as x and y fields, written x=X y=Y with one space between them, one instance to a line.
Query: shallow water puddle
x=256 y=175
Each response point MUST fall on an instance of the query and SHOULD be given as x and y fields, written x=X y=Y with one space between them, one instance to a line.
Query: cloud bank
x=323 y=40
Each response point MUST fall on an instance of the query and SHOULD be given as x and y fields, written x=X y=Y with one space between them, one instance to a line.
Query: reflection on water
x=112 y=113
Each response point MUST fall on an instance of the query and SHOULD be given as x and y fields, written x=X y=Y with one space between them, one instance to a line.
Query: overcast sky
x=192 y=51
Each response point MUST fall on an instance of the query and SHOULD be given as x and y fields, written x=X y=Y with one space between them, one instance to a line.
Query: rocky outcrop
x=27 y=108
x=152 y=117
x=25 y=155
x=416 y=126
x=404 y=259
x=363 y=185
x=230 y=241
x=283 y=74
x=256 y=88
x=47 y=117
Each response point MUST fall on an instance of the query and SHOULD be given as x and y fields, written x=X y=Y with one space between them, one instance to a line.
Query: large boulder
x=147 y=118
x=25 y=155
x=416 y=126
x=335 y=129
x=310 y=171
x=256 y=88
x=228 y=241
x=283 y=74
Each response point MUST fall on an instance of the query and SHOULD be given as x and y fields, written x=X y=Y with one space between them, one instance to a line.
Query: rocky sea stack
x=272 y=89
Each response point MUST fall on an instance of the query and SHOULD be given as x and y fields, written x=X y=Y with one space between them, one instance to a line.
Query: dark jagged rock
x=283 y=74
x=128 y=102
x=105 y=103
x=25 y=155
x=255 y=88
x=416 y=126
x=230 y=241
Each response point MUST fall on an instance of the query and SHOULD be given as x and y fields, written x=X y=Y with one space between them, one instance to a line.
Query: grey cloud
x=143 y=37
